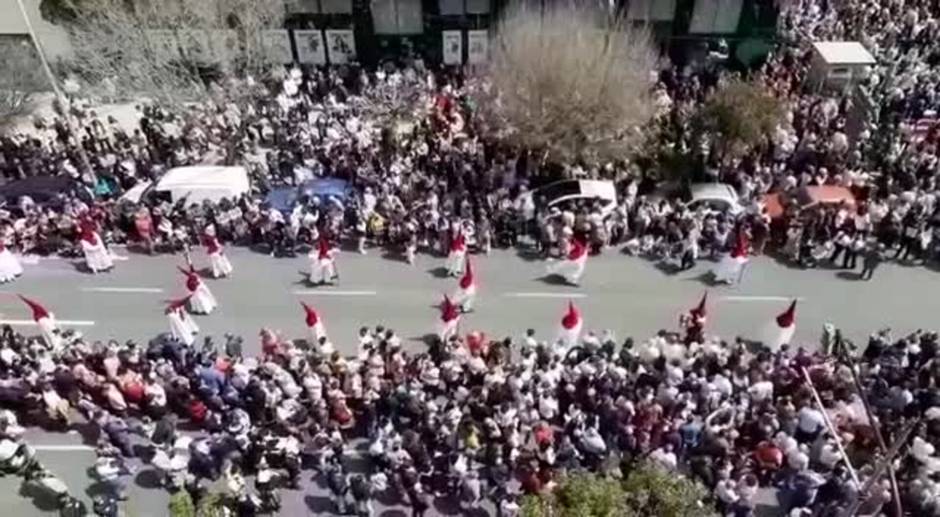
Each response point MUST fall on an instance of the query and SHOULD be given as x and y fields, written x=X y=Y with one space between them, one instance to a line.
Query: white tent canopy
x=835 y=53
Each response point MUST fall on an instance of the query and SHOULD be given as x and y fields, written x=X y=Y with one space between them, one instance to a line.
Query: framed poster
x=310 y=47
x=195 y=45
x=223 y=44
x=341 y=44
x=453 y=47
x=477 y=46
x=163 y=43
x=276 y=44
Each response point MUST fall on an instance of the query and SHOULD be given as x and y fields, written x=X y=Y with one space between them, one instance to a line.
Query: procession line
x=122 y=289
x=66 y=323
x=316 y=292
x=761 y=298
x=545 y=295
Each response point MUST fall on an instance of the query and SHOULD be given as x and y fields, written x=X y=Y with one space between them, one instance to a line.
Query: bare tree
x=21 y=78
x=166 y=49
x=569 y=81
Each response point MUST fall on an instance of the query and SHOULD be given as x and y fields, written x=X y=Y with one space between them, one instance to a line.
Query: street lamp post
x=58 y=93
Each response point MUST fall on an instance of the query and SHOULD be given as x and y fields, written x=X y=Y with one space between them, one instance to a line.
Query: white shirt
x=810 y=420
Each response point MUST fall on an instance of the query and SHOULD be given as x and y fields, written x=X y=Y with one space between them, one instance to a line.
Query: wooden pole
x=885 y=463
x=844 y=357
x=832 y=429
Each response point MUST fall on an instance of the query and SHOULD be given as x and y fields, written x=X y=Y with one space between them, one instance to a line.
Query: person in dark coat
x=873 y=258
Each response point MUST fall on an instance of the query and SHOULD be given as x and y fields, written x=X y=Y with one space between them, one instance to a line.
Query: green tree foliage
x=211 y=505
x=653 y=491
x=738 y=115
x=181 y=505
x=648 y=492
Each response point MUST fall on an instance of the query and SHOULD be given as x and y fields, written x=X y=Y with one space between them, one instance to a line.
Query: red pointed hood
x=176 y=305
x=572 y=318
x=740 y=246
x=192 y=279
x=467 y=279
x=323 y=248
x=449 y=311
x=211 y=243
x=578 y=249
x=458 y=242
x=787 y=318
x=310 y=316
x=700 y=311
x=88 y=235
x=39 y=312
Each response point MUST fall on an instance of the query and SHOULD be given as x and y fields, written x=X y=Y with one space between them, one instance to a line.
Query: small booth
x=839 y=64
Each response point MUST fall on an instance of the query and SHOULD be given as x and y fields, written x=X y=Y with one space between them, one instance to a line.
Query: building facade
x=388 y=28
x=453 y=31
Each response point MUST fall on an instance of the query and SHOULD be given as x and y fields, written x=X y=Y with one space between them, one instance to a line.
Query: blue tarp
x=284 y=198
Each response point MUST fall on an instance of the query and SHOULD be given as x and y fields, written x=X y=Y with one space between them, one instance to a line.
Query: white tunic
x=570 y=270
x=220 y=264
x=96 y=255
x=10 y=267
x=201 y=301
x=321 y=270
x=179 y=330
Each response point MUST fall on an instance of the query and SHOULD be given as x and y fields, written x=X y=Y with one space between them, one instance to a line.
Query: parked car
x=565 y=192
x=777 y=203
x=43 y=190
x=715 y=197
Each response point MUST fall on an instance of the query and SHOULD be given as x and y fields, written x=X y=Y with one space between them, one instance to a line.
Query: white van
x=197 y=184
x=561 y=193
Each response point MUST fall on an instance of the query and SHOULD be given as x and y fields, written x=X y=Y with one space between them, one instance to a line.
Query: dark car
x=48 y=191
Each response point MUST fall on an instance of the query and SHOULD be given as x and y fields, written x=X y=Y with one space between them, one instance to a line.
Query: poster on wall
x=310 y=47
x=195 y=45
x=341 y=44
x=477 y=47
x=453 y=47
x=163 y=43
x=223 y=44
x=276 y=44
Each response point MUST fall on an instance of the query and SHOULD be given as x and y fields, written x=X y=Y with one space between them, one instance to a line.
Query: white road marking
x=545 y=295
x=329 y=292
x=761 y=298
x=63 y=448
x=122 y=289
x=64 y=323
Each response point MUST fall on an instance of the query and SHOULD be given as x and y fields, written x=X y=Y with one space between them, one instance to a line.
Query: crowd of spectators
x=475 y=420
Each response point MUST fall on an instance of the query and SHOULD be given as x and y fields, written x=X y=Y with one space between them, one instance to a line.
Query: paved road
x=628 y=295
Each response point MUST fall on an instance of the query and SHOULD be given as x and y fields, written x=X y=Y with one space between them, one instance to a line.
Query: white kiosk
x=838 y=64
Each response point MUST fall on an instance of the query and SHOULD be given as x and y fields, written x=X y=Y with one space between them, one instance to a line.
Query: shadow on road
x=41 y=499
x=319 y=505
x=438 y=272
x=149 y=479
x=529 y=255
x=553 y=279
x=849 y=275
x=706 y=277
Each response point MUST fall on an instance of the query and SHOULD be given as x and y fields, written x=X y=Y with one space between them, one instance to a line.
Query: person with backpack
x=361 y=491
x=339 y=487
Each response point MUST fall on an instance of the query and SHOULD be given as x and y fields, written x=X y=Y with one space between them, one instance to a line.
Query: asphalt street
x=631 y=296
